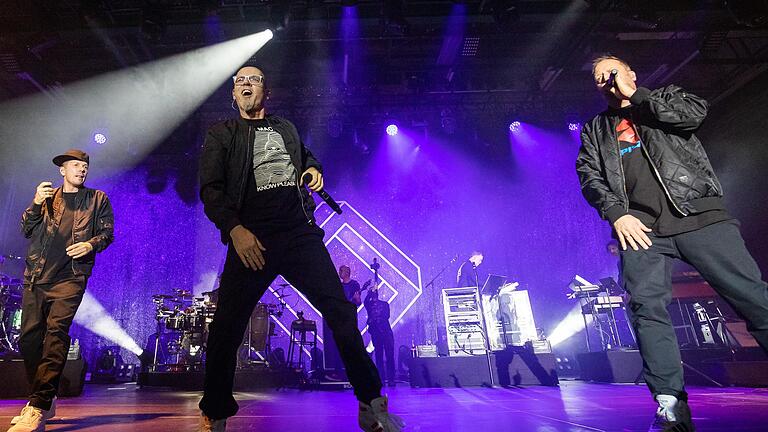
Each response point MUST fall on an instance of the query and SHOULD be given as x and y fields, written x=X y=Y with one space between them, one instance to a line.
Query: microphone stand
x=486 y=341
x=432 y=295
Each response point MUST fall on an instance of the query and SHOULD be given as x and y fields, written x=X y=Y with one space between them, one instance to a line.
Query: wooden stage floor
x=575 y=406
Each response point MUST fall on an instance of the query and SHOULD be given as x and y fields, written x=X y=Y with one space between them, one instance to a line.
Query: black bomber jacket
x=226 y=158
x=665 y=120
x=93 y=223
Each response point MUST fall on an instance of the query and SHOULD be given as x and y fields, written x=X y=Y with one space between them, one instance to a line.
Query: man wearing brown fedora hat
x=66 y=226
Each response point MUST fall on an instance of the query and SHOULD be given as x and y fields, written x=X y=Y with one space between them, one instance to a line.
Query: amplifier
x=541 y=346
x=426 y=350
x=465 y=328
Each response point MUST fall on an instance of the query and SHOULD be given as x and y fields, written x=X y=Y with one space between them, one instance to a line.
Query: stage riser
x=739 y=374
x=472 y=371
x=244 y=380
x=626 y=366
x=610 y=366
x=13 y=379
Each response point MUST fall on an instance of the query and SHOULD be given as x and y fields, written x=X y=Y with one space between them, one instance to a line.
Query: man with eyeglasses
x=643 y=168
x=251 y=185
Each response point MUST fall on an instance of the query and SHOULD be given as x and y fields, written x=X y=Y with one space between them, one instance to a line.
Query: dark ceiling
x=511 y=58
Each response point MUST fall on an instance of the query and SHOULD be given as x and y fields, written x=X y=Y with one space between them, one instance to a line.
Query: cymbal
x=162 y=296
x=183 y=293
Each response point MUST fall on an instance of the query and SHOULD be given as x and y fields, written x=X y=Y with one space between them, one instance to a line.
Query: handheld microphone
x=612 y=78
x=324 y=195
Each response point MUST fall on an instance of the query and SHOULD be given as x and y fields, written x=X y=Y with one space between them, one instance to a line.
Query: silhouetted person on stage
x=467 y=275
x=66 y=226
x=351 y=287
x=251 y=171
x=381 y=334
x=645 y=171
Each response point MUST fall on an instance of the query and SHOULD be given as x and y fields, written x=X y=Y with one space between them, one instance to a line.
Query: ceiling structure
x=503 y=58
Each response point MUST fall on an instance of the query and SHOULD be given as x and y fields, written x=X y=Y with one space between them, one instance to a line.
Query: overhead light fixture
x=394 y=18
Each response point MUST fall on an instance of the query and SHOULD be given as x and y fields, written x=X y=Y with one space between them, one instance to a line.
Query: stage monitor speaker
x=14 y=378
x=331 y=357
x=611 y=366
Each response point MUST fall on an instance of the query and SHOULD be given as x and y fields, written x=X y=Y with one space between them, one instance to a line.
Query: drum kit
x=179 y=343
x=10 y=313
x=182 y=329
x=11 y=291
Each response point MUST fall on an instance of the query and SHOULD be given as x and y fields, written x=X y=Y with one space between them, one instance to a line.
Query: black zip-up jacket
x=224 y=168
x=665 y=120
x=93 y=223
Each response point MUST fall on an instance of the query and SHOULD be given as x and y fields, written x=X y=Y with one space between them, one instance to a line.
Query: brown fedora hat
x=71 y=154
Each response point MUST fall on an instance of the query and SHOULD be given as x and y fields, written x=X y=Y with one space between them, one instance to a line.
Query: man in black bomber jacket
x=644 y=170
x=251 y=172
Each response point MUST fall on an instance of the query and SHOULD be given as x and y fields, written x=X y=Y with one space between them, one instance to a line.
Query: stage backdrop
x=415 y=202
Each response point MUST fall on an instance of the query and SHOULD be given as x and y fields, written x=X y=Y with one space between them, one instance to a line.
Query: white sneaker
x=672 y=415
x=209 y=425
x=31 y=420
x=376 y=418
x=666 y=409
x=47 y=415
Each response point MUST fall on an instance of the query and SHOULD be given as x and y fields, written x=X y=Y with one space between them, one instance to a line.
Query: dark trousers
x=384 y=348
x=46 y=315
x=301 y=257
x=717 y=251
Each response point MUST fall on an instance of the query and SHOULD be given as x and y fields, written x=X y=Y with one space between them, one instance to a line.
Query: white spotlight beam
x=570 y=325
x=140 y=106
x=95 y=318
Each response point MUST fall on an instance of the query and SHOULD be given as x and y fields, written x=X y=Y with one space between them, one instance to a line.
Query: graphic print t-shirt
x=272 y=200
x=647 y=199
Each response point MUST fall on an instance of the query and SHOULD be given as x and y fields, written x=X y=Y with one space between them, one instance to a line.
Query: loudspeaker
x=611 y=366
x=14 y=378
x=332 y=358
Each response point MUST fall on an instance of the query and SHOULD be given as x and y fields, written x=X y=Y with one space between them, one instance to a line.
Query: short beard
x=250 y=105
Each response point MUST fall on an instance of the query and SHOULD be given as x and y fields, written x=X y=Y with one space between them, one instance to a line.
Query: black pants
x=46 y=315
x=301 y=257
x=718 y=253
x=384 y=347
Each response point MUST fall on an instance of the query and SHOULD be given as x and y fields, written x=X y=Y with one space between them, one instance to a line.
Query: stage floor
x=575 y=406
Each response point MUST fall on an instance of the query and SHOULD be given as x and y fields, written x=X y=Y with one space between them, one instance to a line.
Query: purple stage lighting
x=574 y=126
x=514 y=126
x=392 y=130
x=99 y=138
